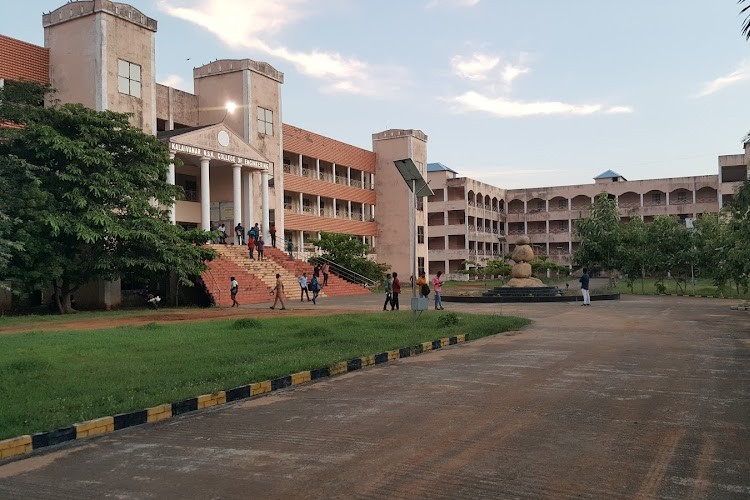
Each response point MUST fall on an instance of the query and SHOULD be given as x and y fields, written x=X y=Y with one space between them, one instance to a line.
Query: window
x=656 y=198
x=265 y=121
x=420 y=265
x=420 y=234
x=562 y=204
x=190 y=184
x=128 y=78
x=682 y=197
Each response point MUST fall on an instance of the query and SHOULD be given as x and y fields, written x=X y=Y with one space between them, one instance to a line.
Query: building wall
x=86 y=40
x=248 y=84
x=393 y=195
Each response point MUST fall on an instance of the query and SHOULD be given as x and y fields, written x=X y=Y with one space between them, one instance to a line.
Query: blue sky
x=513 y=93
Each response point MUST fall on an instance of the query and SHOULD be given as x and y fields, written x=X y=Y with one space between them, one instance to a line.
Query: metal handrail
x=345 y=273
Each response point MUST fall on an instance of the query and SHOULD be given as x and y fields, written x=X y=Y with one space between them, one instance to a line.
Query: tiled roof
x=23 y=61
x=609 y=174
x=438 y=167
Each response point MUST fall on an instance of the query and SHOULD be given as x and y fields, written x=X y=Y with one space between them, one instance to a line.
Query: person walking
x=239 y=232
x=325 y=270
x=235 y=287
x=422 y=286
x=278 y=291
x=585 y=287
x=261 y=248
x=272 y=230
x=315 y=287
x=290 y=248
x=396 y=292
x=437 y=286
x=388 y=292
x=303 y=288
x=251 y=246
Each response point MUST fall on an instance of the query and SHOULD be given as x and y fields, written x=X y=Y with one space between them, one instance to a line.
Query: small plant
x=448 y=319
x=247 y=324
x=660 y=288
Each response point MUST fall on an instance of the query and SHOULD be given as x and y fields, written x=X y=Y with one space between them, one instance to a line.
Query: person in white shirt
x=235 y=287
x=303 y=288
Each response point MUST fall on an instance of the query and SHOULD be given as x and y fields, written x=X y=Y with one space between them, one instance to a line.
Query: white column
x=349 y=207
x=317 y=168
x=205 y=196
x=317 y=206
x=171 y=181
x=362 y=178
x=264 y=203
x=236 y=194
x=300 y=209
x=666 y=193
x=299 y=166
x=333 y=171
x=335 y=207
x=247 y=187
x=525 y=207
x=348 y=176
x=641 y=199
x=693 y=196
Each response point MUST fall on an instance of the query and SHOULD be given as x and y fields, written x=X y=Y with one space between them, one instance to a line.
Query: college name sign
x=216 y=155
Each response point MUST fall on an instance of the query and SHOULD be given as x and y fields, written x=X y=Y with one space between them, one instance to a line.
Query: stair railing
x=216 y=292
x=345 y=273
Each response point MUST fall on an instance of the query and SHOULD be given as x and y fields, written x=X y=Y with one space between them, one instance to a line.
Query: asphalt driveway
x=637 y=398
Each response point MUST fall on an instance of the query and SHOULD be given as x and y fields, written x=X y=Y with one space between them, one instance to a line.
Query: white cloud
x=452 y=3
x=474 y=67
x=619 y=110
x=506 y=108
x=741 y=74
x=511 y=72
x=247 y=26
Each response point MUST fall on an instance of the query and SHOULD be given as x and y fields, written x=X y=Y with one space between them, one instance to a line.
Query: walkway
x=637 y=398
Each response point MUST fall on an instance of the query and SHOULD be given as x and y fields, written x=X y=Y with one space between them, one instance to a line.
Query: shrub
x=448 y=319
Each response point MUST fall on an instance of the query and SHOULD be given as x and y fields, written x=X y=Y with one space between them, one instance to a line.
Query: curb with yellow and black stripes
x=22 y=445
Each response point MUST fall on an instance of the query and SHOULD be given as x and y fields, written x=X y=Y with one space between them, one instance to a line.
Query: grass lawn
x=50 y=380
x=46 y=319
x=702 y=287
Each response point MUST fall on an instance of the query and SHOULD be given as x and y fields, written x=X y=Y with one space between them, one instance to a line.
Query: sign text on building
x=215 y=155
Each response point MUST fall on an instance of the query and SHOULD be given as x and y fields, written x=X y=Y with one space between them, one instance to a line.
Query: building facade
x=471 y=222
x=238 y=162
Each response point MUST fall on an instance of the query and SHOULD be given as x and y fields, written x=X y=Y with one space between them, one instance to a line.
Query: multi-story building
x=234 y=157
x=471 y=222
x=238 y=162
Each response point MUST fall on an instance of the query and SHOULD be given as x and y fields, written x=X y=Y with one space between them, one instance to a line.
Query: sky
x=513 y=93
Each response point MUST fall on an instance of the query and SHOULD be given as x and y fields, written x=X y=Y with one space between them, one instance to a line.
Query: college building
x=238 y=162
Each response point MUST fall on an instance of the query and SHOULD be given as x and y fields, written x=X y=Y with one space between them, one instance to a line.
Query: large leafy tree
x=85 y=193
x=599 y=235
x=633 y=253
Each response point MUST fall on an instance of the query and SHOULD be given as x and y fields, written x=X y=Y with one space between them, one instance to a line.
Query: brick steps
x=337 y=287
x=257 y=278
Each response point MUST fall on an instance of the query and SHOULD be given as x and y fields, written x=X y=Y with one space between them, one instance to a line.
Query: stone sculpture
x=521 y=272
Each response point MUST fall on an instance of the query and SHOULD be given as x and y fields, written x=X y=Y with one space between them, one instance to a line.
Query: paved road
x=638 y=398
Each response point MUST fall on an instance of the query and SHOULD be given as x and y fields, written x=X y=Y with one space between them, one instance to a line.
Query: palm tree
x=746 y=23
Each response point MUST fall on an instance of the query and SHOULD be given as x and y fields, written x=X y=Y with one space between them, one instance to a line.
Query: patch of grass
x=50 y=380
x=649 y=286
x=247 y=324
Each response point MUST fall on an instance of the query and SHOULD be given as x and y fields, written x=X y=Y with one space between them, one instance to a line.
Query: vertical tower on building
x=102 y=55
x=393 y=197
x=255 y=88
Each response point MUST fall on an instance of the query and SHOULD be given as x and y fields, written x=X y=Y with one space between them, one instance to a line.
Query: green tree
x=349 y=252
x=85 y=194
x=670 y=250
x=541 y=264
x=599 y=235
x=633 y=254
x=736 y=248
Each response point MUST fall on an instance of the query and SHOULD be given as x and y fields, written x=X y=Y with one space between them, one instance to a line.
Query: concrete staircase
x=257 y=278
x=337 y=287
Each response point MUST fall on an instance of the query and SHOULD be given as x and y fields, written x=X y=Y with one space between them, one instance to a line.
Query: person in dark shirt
x=396 y=286
x=585 y=287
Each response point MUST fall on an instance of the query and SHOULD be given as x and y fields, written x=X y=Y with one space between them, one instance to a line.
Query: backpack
x=425 y=290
